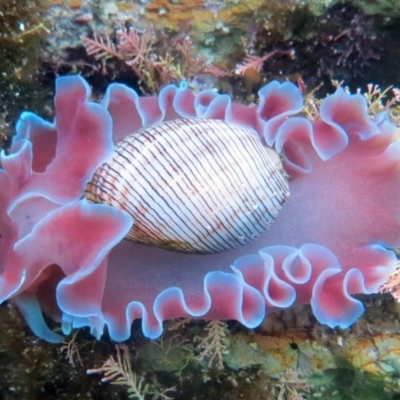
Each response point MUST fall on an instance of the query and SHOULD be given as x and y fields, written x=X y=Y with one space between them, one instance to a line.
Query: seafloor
x=205 y=42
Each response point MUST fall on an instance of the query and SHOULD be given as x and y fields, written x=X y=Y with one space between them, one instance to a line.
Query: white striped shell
x=192 y=185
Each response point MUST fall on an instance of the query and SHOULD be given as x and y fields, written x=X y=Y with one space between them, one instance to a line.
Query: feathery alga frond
x=100 y=47
x=215 y=71
x=256 y=63
x=119 y=372
x=70 y=348
x=214 y=345
x=155 y=61
x=375 y=97
x=133 y=47
x=130 y=46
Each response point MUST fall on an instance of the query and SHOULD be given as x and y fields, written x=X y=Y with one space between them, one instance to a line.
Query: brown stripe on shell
x=192 y=185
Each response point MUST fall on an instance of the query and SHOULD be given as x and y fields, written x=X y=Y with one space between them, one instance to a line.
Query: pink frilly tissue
x=67 y=258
